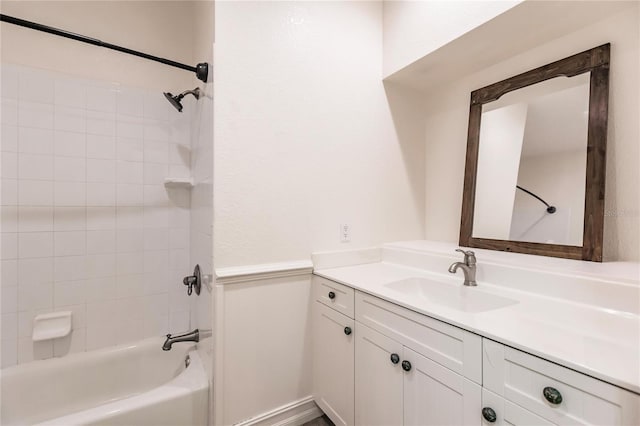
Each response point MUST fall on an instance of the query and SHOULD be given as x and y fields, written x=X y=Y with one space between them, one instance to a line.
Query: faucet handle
x=469 y=257
x=193 y=281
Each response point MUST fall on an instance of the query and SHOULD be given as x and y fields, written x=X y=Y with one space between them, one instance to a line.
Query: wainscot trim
x=265 y=271
x=293 y=414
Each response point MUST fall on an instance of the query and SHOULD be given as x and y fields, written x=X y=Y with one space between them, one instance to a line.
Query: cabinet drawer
x=334 y=295
x=508 y=413
x=449 y=346
x=522 y=378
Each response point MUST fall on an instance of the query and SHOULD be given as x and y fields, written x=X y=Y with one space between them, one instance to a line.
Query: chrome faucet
x=468 y=267
x=192 y=336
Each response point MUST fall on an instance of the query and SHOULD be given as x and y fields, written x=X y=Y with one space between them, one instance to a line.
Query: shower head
x=173 y=100
x=176 y=100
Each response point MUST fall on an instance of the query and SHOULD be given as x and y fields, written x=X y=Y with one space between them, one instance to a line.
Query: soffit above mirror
x=529 y=24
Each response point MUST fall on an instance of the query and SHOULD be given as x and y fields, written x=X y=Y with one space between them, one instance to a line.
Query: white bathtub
x=138 y=384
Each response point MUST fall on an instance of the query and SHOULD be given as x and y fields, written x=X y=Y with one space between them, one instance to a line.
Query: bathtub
x=137 y=384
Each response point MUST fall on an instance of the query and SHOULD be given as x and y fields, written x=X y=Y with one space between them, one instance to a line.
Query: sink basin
x=458 y=297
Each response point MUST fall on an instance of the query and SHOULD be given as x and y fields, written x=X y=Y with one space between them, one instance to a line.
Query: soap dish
x=178 y=182
x=51 y=326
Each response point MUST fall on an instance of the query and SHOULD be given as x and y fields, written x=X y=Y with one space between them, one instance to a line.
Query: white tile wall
x=86 y=222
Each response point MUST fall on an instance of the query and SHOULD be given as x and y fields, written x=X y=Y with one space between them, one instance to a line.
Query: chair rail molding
x=240 y=274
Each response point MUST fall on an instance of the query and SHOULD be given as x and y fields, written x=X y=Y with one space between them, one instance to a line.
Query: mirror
x=538 y=135
x=535 y=166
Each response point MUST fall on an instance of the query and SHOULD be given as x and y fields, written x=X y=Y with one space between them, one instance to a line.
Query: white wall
x=304 y=136
x=160 y=28
x=413 y=29
x=501 y=137
x=447 y=120
x=87 y=224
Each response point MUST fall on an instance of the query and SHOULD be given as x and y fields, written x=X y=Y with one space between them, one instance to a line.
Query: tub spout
x=192 y=336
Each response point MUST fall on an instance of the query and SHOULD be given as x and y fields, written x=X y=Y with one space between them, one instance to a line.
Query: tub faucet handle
x=193 y=281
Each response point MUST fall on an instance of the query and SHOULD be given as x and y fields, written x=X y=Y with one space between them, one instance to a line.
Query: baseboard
x=293 y=414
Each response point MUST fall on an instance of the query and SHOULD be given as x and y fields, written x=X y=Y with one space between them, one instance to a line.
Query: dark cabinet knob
x=395 y=358
x=332 y=295
x=489 y=415
x=347 y=330
x=406 y=365
x=552 y=395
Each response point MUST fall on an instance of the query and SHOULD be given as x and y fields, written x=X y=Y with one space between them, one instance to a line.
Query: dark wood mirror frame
x=596 y=61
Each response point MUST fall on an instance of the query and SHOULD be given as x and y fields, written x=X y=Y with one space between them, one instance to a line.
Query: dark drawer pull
x=395 y=358
x=347 y=330
x=489 y=415
x=332 y=295
x=406 y=365
x=552 y=395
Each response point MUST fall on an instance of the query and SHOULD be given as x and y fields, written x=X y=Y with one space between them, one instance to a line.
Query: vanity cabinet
x=333 y=339
x=396 y=367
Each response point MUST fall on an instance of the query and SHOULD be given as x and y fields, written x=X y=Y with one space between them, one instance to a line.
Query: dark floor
x=320 y=421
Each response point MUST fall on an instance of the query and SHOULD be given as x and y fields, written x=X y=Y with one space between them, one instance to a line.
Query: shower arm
x=201 y=69
x=195 y=92
x=550 y=209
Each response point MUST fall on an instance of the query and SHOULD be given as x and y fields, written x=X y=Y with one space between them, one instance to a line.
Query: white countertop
x=603 y=343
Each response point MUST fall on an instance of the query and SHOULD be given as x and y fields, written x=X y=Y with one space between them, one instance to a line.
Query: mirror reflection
x=530 y=183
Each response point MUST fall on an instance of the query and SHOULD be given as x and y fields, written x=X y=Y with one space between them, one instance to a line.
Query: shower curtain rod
x=550 y=208
x=201 y=69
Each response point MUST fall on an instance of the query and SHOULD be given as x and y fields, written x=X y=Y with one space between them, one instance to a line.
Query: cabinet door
x=435 y=395
x=333 y=357
x=379 y=393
